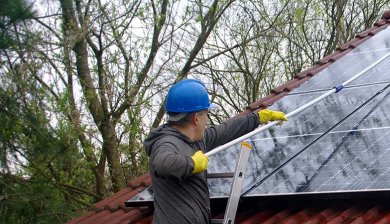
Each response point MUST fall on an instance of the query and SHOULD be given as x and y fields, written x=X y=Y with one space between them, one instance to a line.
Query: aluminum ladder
x=235 y=190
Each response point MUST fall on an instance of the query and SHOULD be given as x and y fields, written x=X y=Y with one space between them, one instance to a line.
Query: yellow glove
x=200 y=162
x=270 y=115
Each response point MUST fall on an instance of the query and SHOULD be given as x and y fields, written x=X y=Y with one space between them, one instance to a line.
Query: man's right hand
x=200 y=162
x=269 y=115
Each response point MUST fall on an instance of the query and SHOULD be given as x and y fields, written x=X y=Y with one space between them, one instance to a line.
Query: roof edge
x=386 y=15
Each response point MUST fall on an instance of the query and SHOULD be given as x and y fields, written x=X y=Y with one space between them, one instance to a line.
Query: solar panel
x=278 y=145
x=339 y=144
x=353 y=156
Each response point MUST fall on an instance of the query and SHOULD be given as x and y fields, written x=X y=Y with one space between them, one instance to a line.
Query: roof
x=345 y=210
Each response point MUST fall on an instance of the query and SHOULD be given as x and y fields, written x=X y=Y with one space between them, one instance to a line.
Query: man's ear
x=195 y=118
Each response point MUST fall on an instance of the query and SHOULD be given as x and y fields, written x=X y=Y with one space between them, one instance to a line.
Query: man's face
x=202 y=121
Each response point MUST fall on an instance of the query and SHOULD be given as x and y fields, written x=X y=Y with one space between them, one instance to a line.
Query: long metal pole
x=273 y=123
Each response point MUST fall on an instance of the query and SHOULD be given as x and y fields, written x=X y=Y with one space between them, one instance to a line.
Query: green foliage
x=12 y=12
x=134 y=151
x=41 y=192
x=33 y=200
x=11 y=125
x=298 y=14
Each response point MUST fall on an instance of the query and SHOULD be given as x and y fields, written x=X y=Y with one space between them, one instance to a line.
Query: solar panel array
x=340 y=144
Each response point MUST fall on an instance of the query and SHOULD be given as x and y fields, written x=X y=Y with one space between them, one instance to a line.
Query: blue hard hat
x=188 y=95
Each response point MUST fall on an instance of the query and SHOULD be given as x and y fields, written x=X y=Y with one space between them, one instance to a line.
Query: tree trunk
x=101 y=119
x=110 y=148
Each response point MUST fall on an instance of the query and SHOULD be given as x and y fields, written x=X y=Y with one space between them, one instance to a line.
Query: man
x=177 y=163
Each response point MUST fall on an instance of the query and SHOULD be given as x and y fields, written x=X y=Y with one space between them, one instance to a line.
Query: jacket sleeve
x=230 y=130
x=167 y=162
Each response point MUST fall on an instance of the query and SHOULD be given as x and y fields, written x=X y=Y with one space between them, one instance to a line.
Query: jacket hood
x=160 y=132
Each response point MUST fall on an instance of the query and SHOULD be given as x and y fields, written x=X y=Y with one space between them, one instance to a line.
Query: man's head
x=192 y=125
x=187 y=105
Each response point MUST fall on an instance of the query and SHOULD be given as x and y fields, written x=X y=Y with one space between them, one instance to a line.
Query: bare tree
x=104 y=56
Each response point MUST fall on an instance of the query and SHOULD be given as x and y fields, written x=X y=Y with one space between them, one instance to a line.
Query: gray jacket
x=180 y=197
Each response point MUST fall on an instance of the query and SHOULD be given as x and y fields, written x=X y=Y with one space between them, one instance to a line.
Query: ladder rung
x=220 y=175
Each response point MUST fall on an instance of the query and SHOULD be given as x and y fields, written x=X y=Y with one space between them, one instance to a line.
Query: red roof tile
x=384 y=220
x=112 y=210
